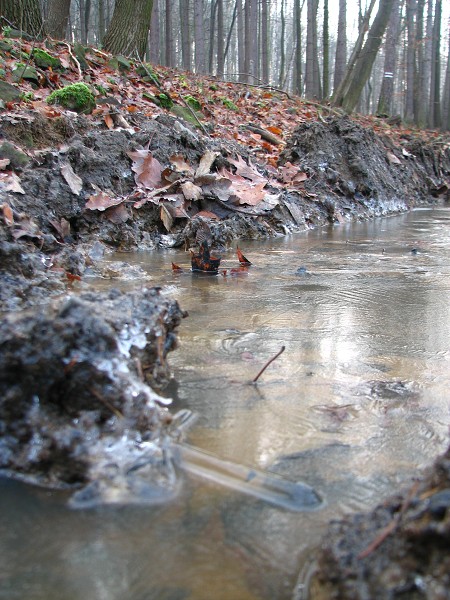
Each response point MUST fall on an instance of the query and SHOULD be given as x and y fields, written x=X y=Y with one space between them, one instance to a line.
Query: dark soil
x=78 y=373
x=400 y=550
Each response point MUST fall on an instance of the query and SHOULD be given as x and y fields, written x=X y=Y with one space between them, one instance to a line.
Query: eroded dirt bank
x=78 y=373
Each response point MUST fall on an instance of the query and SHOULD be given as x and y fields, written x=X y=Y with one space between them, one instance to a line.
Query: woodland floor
x=226 y=161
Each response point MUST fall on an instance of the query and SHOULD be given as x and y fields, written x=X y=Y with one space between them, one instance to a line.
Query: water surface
x=356 y=404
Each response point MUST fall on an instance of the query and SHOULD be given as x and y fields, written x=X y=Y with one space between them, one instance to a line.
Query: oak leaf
x=147 y=169
x=101 y=201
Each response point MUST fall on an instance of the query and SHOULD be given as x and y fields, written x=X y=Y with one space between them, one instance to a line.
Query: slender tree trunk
x=241 y=40
x=265 y=40
x=199 y=36
x=312 y=78
x=386 y=98
x=411 y=15
x=446 y=105
x=128 y=31
x=168 y=31
x=220 y=39
x=101 y=20
x=298 y=67
x=253 y=46
x=420 y=114
x=25 y=15
x=282 y=45
x=155 y=35
x=341 y=45
x=58 y=17
x=185 y=35
x=212 y=29
x=435 y=95
x=340 y=91
x=326 y=51
x=364 y=63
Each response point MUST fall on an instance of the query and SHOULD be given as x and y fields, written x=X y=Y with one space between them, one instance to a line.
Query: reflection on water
x=357 y=402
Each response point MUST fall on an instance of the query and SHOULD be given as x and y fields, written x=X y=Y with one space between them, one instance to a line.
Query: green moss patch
x=77 y=97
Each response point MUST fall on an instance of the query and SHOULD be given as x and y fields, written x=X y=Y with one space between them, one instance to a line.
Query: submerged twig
x=268 y=363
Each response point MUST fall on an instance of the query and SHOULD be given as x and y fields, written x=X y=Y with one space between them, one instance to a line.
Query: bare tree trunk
x=212 y=28
x=253 y=42
x=340 y=91
x=435 y=96
x=312 y=76
x=241 y=39
x=155 y=35
x=446 y=105
x=185 y=35
x=128 y=31
x=411 y=15
x=341 y=45
x=58 y=17
x=265 y=40
x=364 y=63
x=168 y=30
x=386 y=98
x=25 y=15
x=101 y=20
x=220 y=40
x=282 y=45
x=420 y=114
x=298 y=68
x=199 y=36
x=326 y=51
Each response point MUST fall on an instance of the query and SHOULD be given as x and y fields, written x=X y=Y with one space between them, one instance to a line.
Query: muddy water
x=354 y=406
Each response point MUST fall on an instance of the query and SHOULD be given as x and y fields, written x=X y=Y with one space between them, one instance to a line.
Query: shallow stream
x=355 y=405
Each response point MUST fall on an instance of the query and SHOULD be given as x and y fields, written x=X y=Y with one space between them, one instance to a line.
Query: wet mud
x=80 y=374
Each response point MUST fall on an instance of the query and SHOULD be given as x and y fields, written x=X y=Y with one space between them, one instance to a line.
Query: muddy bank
x=400 y=550
x=77 y=379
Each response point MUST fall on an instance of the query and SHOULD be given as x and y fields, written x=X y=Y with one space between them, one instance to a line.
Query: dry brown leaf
x=11 y=183
x=62 y=227
x=109 y=121
x=191 y=191
x=393 y=159
x=101 y=201
x=180 y=165
x=73 y=181
x=206 y=214
x=4 y=162
x=247 y=193
x=117 y=214
x=8 y=214
x=206 y=162
x=166 y=218
x=247 y=171
x=147 y=169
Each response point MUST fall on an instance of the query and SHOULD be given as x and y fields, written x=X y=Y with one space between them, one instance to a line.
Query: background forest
x=385 y=57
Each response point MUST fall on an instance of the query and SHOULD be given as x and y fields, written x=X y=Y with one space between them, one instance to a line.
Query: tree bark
x=282 y=45
x=364 y=63
x=386 y=98
x=265 y=40
x=326 y=51
x=185 y=35
x=446 y=105
x=220 y=40
x=312 y=75
x=298 y=68
x=25 y=15
x=435 y=92
x=341 y=45
x=411 y=16
x=128 y=31
x=199 y=36
x=168 y=30
x=58 y=17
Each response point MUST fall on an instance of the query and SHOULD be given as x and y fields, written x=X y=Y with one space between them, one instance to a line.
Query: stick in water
x=268 y=363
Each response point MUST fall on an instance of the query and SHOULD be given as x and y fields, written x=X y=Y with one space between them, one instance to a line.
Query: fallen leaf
x=166 y=218
x=203 y=261
x=71 y=277
x=191 y=191
x=101 y=201
x=109 y=121
x=117 y=214
x=180 y=165
x=206 y=214
x=248 y=171
x=147 y=169
x=73 y=181
x=11 y=183
x=176 y=268
x=275 y=130
x=8 y=214
x=241 y=257
x=4 y=162
x=393 y=159
x=206 y=162
x=247 y=193
x=62 y=228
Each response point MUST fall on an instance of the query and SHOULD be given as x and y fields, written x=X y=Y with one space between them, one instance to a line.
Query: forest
x=389 y=58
